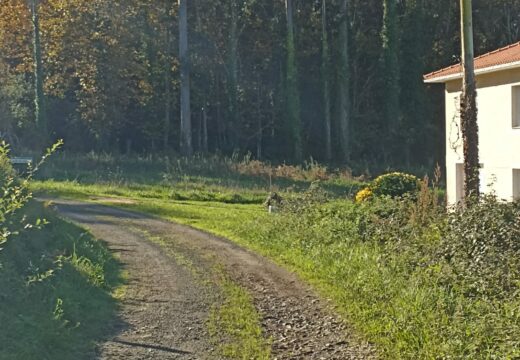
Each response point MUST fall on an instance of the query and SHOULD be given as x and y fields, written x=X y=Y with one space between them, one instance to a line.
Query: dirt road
x=165 y=310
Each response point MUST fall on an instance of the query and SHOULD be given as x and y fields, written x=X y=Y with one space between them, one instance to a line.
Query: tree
x=325 y=73
x=293 y=96
x=233 y=73
x=468 y=104
x=390 y=37
x=186 y=136
x=39 y=98
x=167 y=92
x=344 y=83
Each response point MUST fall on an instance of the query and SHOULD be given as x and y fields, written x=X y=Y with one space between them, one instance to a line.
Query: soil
x=166 y=306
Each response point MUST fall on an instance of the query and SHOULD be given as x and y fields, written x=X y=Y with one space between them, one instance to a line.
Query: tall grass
x=403 y=271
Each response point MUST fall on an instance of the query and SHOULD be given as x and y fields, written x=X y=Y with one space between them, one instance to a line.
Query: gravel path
x=164 y=312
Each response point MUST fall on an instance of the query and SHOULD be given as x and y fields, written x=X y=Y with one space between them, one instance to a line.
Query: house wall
x=499 y=142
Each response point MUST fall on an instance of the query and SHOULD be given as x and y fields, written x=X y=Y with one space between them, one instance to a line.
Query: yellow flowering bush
x=364 y=194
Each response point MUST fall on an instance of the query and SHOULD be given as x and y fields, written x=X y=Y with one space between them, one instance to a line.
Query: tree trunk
x=325 y=65
x=205 y=129
x=218 y=121
x=390 y=39
x=186 y=134
x=167 y=94
x=293 y=96
x=468 y=105
x=233 y=75
x=260 y=133
x=39 y=99
x=199 y=131
x=344 y=83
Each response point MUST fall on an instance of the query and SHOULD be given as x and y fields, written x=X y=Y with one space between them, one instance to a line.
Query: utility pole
x=468 y=104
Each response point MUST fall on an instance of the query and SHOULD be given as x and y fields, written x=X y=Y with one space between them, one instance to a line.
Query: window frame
x=516 y=184
x=515 y=111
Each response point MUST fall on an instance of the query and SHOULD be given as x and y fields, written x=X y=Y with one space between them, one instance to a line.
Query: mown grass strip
x=235 y=325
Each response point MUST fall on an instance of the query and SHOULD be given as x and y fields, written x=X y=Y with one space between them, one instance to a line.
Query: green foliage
x=55 y=300
x=482 y=247
x=15 y=194
x=13 y=197
x=394 y=185
x=6 y=170
x=412 y=278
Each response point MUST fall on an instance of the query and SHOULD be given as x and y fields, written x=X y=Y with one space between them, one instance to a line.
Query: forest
x=339 y=81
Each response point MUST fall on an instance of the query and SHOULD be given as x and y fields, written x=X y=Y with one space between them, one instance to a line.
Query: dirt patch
x=300 y=324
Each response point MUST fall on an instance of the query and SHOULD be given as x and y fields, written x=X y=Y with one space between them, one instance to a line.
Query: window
x=516 y=184
x=516 y=106
x=459 y=178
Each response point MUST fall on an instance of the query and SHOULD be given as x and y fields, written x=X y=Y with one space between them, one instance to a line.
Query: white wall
x=499 y=142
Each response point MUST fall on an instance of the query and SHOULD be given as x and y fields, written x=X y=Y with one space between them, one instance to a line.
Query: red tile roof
x=498 y=58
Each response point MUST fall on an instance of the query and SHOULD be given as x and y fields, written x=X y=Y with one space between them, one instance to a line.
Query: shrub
x=15 y=194
x=395 y=185
x=364 y=195
x=482 y=246
x=6 y=170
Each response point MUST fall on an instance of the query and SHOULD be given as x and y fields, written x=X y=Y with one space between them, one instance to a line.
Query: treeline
x=338 y=80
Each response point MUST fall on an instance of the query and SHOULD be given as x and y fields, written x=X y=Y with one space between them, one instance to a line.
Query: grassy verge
x=57 y=288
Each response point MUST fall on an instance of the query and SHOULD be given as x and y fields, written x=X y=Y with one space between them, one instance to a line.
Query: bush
x=364 y=194
x=395 y=185
x=6 y=170
x=15 y=195
x=482 y=247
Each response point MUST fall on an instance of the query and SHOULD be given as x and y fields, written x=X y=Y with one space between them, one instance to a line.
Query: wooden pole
x=468 y=104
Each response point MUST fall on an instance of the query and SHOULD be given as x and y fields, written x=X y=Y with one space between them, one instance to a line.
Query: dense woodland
x=336 y=80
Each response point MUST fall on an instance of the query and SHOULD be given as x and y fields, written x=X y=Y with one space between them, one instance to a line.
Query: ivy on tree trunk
x=468 y=105
x=39 y=99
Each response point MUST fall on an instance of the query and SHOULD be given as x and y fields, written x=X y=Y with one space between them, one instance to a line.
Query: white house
x=498 y=100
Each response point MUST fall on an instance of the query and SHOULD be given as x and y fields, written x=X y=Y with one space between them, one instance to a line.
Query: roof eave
x=487 y=70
